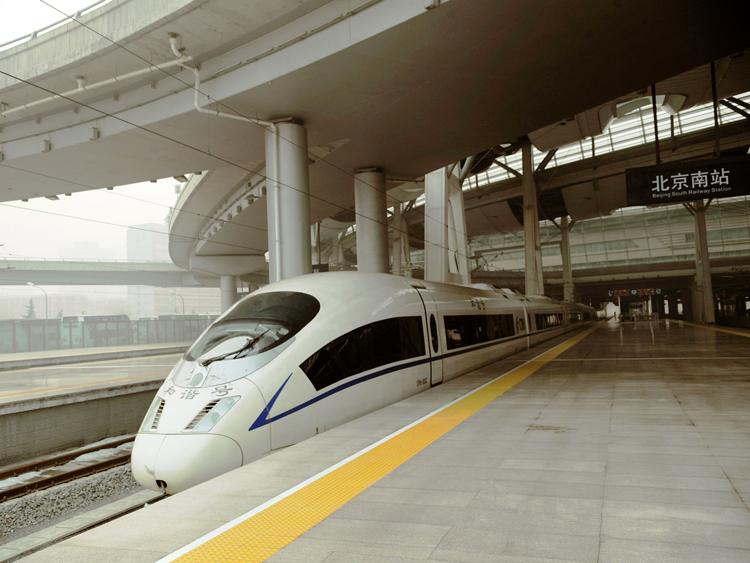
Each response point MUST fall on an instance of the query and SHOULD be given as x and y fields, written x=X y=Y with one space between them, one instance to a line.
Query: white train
x=303 y=355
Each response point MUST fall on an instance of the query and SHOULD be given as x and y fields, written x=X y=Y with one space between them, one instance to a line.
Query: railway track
x=156 y=497
x=48 y=471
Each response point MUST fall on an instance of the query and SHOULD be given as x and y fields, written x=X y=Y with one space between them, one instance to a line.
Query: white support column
x=228 y=291
x=567 y=266
x=315 y=243
x=372 y=221
x=405 y=246
x=704 y=287
x=531 y=239
x=396 y=242
x=446 y=250
x=288 y=197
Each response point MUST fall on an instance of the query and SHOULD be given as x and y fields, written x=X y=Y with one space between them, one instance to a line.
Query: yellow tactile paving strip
x=262 y=534
x=728 y=330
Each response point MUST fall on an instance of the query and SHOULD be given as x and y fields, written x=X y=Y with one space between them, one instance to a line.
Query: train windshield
x=256 y=325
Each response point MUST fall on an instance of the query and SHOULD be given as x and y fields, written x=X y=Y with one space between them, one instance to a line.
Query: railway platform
x=45 y=409
x=52 y=380
x=624 y=442
x=22 y=360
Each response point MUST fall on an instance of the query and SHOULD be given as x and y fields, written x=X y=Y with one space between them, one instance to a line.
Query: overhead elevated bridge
x=67 y=272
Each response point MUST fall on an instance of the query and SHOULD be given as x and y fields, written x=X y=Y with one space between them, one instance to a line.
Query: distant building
x=148 y=242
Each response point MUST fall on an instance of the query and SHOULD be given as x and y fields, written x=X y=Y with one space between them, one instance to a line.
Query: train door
x=433 y=333
x=527 y=323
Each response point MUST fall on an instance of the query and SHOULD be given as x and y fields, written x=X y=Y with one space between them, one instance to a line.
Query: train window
x=254 y=328
x=548 y=320
x=267 y=319
x=292 y=309
x=465 y=330
x=433 y=333
x=365 y=348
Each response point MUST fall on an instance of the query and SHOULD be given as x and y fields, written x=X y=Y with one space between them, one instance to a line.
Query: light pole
x=46 y=313
x=46 y=301
x=182 y=320
x=181 y=299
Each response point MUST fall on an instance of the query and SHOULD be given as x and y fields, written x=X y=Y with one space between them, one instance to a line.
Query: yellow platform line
x=735 y=331
x=263 y=533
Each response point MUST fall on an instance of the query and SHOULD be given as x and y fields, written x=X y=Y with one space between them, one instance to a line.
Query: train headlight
x=212 y=413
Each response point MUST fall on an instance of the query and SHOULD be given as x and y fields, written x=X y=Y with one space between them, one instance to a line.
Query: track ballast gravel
x=22 y=516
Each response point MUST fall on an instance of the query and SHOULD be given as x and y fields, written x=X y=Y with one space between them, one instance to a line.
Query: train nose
x=175 y=462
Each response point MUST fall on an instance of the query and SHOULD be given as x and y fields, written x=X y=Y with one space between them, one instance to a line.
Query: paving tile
x=534 y=503
x=664 y=511
x=567 y=490
x=672 y=469
x=344 y=557
x=400 y=533
x=673 y=496
x=553 y=465
x=422 y=496
x=555 y=519
x=523 y=544
x=677 y=531
x=616 y=550
x=667 y=482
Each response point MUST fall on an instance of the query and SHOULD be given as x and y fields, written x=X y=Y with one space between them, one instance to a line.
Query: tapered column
x=531 y=239
x=288 y=197
x=703 y=304
x=567 y=265
x=396 y=241
x=446 y=250
x=372 y=221
x=315 y=243
x=228 y=291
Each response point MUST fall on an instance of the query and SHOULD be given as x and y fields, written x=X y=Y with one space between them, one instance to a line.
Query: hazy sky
x=27 y=231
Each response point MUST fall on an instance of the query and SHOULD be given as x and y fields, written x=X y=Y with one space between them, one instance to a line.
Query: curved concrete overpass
x=407 y=86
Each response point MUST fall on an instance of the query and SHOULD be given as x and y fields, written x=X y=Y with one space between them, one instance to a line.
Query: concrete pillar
x=740 y=305
x=531 y=239
x=228 y=291
x=567 y=265
x=372 y=221
x=396 y=241
x=657 y=305
x=703 y=301
x=288 y=197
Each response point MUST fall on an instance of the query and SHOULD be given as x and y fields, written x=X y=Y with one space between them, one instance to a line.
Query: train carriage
x=303 y=355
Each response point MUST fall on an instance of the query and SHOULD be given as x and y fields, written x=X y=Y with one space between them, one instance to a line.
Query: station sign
x=642 y=292
x=688 y=180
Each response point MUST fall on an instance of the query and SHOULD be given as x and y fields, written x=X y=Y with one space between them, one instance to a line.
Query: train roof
x=353 y=283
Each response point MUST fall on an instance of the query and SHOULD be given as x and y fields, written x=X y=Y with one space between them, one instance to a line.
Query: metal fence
x=30 y=335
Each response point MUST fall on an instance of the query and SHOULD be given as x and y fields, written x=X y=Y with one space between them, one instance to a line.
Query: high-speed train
x=303 y=355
